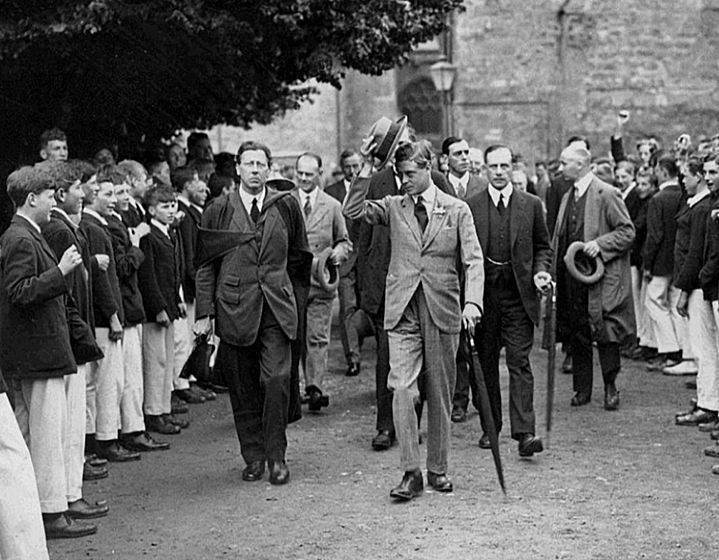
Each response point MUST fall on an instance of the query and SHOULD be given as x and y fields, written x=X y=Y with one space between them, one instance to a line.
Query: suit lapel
x=268 y=219
x=559 y=224
x=408 y=214
x=437 y=217
x=591 y=212
x=318 y=210
x=240 y=219
x=517 y=208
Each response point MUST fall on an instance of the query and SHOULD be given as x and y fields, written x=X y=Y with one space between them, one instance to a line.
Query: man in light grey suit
x=326 y=229
x=432 y=237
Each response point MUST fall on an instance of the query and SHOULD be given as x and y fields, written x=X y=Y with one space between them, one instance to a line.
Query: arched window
x=422 y=104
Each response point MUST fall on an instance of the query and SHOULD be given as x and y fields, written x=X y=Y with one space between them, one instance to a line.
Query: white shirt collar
x=62 y=212
x=428 y=197
x=247 y=199
x=32 y=222
x=91 y=212
x=189 y=204
x=311 y=195
x=625 y=192
x=139 y=207
x=495 y=193
x=581 y=185
x=164 y=228
x=462 y=181
x=669 y=183
x=692 y=201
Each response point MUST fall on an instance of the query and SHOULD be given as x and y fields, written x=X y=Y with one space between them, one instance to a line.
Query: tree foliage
x=113 y=69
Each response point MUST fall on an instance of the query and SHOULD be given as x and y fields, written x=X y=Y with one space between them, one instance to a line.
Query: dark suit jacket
x=265 y=267
x=105 y=284
x=558 y=186
x=709 y=273
x=133 y=217
x=475 y=184
x=128 y=259
x=658 y=253
x=531 y=251
x=60 y=234
x=188 y=230
x=689 y=245
x=34 y=334
x=159 y=274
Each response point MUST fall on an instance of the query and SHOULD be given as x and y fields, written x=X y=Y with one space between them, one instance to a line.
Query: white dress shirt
x=247 y=199
x=459 y=183
x=495 y=193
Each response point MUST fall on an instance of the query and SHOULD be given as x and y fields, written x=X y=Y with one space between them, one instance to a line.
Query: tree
x=134 y=69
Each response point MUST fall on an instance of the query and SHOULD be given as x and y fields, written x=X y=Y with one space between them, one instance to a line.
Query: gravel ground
x=626 y=484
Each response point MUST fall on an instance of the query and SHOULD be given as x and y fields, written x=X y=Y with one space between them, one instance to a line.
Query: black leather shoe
x=699 y=416
x=94 y=460
x=181 y=423
x=214 y=387
x=81 y=509
x=383 y=440
x=484 y=442
x=353 y=370
x=189 y=396
x=157 y=423
x=580 y=399
x=714 y=435
x=709 y=427
x=440 y=482
x=458 y=415
x=712 y=451
x=611 y=397
x=142 y=442
x=178 y=406
x=529 y=444
x=116 y=453
x=316 y=399
x=279 y=473
x=253 y=471
x=208 y=394
x=410 y=487
x=90 y=472
x=61 y=526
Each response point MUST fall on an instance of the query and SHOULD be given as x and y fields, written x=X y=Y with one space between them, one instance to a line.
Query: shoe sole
x=403 y=497
x=80 y=516
x=73 y=535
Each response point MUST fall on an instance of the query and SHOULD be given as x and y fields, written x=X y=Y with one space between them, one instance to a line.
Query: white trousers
x=704 y=326
x=131 y=416
x=75 y=433
x=22 y=536
x=645 y=328
x=681 y=326
x=105 y=381
x=182 y=349
x=41 y=413
x=158 y=364
x=659 y=308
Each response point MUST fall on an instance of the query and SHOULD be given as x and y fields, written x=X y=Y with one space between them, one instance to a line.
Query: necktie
x=420 y=212
x=254 y=211
x=576 y=193
x=307 y=207
x=460 y=191
x=500 y=205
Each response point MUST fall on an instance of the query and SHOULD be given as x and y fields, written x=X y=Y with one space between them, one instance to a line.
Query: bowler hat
x=585 y=269
x=325 y=271
x=386 y=134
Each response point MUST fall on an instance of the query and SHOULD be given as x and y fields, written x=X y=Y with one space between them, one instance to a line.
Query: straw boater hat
x=386 y=134
x=325 y=271
x=582 y=267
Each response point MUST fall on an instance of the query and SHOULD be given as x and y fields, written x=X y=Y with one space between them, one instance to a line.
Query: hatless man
x=465 y=184
x=53 y=145
x=593 y=212
x=432 y=237
x=249 y=288
x=326 y=230
x=517 y=257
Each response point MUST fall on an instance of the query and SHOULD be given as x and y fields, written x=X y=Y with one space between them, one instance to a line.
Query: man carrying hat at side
x=593 y=212
x=432 y=235
x=326 y=233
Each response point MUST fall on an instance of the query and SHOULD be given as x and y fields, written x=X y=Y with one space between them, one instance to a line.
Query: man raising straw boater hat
x=423 y=317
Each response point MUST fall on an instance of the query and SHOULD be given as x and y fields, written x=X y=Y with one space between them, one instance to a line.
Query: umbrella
x=484 y=410
x=550 y=322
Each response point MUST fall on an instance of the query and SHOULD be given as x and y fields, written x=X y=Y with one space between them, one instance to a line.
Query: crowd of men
x=108 y=272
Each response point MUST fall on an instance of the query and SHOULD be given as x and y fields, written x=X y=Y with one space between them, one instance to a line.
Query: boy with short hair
x=106 y=376
x=159 y=277
x=53 y=145
x=128 y=257
x=35 y=351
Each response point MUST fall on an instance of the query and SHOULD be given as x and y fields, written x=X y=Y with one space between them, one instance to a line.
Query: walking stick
x=484 y=410
x=551 y=324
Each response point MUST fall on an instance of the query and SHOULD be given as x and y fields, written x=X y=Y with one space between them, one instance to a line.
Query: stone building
x=531 y=73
